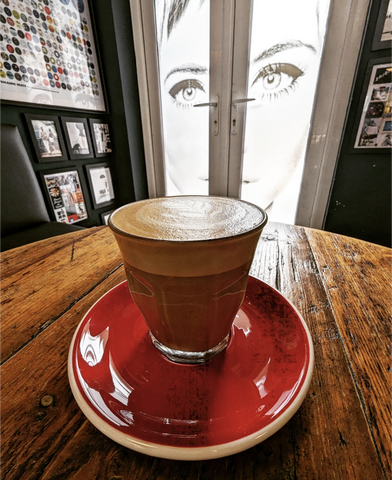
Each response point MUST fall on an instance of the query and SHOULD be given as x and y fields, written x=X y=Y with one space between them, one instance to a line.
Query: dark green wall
x=360 y=199
x=114 y=42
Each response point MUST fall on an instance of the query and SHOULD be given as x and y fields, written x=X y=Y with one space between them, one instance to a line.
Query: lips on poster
x=48 y=54
x=375 y=125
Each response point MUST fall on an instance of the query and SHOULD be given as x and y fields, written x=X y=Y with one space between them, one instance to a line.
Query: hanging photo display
x=105 y=217
x=48 y=54
x=100 y=180
x=375 y=128
x=77 y=137
x=101 y=137
x=47 y=138
x=386 y=34
x=66 y=196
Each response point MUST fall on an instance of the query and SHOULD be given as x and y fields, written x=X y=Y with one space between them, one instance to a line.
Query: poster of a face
x=48 y=54
x=66 y=196
x=286 y=42
x=375 y=120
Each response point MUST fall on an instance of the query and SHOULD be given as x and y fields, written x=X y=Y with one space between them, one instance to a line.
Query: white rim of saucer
x=191 y=453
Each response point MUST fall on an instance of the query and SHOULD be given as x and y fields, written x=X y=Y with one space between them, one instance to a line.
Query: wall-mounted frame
x=61 y=66
x=105 y=216
x=47 y=138
x=101 y=186
x=63 y=189
x=383 y=33
x=373 y=120
x=101 y=137
x=77 y=137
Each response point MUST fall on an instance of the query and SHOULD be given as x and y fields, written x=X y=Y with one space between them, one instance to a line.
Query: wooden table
x=342 y=287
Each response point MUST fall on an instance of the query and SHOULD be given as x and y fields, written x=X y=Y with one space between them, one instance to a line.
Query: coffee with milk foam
x=188 y=218
x=187 y=261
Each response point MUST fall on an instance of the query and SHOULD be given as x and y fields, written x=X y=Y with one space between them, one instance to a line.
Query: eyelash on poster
x=280 y=68
x=182 y=85
x=276 y=68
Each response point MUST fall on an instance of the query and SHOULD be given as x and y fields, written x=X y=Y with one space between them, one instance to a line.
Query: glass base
x=181 y=356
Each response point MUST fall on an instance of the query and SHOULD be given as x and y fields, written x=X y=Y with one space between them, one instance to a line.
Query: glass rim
x=254 y=229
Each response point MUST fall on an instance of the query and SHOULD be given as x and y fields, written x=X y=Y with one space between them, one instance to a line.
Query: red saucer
x=138 y=398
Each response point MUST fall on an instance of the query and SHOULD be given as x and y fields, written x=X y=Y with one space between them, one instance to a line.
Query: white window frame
x=342 y=46
x=346 y=23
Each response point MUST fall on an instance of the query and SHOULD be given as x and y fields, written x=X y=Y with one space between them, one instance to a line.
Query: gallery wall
x=125 y=161
x=360 y=198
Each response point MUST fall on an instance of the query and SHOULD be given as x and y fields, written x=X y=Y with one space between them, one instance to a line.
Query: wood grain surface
x=342 y=288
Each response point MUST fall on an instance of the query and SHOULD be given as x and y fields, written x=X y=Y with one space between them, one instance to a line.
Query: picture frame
x=61 y=68
x=101 y=186
x=105 y=216
x=63 y=189
x=373 y=118
x=48 y=142
x=77 y=137
x=383 y=33
x=101 y=137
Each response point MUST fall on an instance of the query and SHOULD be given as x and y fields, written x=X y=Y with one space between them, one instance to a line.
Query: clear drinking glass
x=187 y=261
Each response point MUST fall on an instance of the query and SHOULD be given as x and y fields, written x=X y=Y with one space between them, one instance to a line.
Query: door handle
x=215 y=114
x=234 y=112
x=212 y=104
x=243 y=100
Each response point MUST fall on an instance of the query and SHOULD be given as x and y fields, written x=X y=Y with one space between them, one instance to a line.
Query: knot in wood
x=46 y=400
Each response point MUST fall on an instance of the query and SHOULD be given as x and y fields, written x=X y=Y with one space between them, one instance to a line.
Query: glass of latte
x=187 y=261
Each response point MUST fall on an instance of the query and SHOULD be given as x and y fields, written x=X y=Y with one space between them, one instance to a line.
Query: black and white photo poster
x=386 y=34
x=100 y=133
x=77 y=137
x=47 y=139
x=100 y=180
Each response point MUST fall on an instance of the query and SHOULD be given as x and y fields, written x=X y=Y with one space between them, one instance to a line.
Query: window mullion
x=242 y=32
x=222 y=13
x=144 y=31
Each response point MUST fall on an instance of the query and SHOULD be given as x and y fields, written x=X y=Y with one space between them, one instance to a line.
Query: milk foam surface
x=188 y=218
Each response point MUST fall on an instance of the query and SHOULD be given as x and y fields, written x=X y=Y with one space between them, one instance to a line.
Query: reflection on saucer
x=140 y=399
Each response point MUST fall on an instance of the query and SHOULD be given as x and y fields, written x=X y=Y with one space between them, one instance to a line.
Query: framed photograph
x=100 y=133
x=47 y=138
x=374 y=119
x=64 y=191
x=105 y=217
x=383 y=34
x=77 y=137
x=101 y=186
x=57 y=59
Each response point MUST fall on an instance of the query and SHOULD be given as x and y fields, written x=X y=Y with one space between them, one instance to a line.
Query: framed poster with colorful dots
x=48 y=54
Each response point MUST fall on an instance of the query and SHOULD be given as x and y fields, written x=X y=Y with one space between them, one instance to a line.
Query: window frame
x=342 y=45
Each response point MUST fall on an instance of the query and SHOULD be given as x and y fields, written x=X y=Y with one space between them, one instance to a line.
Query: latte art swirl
x=188 y=218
